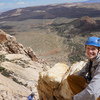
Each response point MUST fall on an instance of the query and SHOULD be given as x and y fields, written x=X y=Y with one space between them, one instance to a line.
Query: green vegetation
x=76 y=32
x=6 y=27
x=77 y=53
x=14 y=79
x=6 y=73
x=61 y=34
x=1 y=69
x=2 y=58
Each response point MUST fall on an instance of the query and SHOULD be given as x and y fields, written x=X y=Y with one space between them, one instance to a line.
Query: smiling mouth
x=90 y=55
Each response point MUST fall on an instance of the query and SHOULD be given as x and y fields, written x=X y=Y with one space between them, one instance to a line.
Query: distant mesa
x=68 y=10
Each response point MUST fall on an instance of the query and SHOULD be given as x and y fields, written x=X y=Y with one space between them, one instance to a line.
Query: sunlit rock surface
x=52 y=84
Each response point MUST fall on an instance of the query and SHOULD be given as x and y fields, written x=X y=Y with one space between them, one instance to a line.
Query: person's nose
x=90 y=50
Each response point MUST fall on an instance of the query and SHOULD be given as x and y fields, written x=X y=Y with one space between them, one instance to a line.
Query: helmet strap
x=98 y=51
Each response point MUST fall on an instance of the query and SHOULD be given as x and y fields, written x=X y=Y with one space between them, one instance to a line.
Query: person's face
x=92 y=52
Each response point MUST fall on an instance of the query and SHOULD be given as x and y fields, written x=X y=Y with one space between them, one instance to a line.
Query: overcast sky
x=11 y=4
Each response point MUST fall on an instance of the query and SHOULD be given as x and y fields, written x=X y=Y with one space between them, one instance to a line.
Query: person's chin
x=91 y=57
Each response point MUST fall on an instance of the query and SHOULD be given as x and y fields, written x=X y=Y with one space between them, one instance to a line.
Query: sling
x=90 y=65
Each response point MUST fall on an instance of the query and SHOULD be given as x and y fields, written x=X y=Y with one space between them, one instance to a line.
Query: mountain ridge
x=92 y=1
x=69 y=10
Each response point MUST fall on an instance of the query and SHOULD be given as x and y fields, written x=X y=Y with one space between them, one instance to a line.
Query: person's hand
x=34 y=98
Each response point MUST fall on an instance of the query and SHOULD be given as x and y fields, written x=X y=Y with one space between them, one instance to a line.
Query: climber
x=86 y=85
x=31 y=96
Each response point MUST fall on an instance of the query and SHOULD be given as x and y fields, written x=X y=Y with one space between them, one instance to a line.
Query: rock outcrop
x=19 y=69
x=9 y=90
x=9 y=44
x=52 y=84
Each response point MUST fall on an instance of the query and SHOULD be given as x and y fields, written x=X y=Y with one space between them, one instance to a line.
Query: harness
x=89 y=74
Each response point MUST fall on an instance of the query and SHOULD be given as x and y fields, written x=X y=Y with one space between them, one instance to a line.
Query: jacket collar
x=96 y=61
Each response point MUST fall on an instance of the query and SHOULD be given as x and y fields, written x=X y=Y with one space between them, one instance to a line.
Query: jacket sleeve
x=84 y=70
x=92 y=91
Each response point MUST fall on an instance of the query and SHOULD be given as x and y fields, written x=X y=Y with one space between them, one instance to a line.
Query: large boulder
x=52 y=84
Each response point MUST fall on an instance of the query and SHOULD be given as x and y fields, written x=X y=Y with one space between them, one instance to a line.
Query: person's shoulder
x=98 y=65
x=29 y=97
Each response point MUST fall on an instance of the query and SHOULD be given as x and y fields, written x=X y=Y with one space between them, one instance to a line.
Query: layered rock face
x=9 y=45
x=9 y=90
x=19 y=69
x=52 y=84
